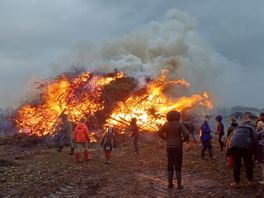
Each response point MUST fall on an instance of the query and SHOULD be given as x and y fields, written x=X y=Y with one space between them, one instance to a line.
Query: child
x=205 y=135
x=174 y=132
x=220 y=131
x=81 y=137
x=108 y=142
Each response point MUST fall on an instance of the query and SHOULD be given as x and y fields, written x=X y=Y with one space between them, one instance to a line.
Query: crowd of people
x=79 y=138
x=241 y=141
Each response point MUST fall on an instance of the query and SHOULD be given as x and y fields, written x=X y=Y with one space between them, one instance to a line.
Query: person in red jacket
x=81 y=137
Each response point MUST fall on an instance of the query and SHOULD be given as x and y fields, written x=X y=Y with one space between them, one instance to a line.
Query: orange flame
x=81 y=96
x=150 y=108
x=60 y=96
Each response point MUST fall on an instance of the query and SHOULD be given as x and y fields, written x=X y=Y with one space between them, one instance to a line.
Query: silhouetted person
x=242 y=145
x=135 y=133
x=205 y=135
x=230 y=130
x=220 y=131
x=108 y=143
x=81 y=134
x=66 y=130
x=174 y=132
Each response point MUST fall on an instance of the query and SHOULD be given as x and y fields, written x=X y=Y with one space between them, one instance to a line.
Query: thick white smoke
x=172 y=43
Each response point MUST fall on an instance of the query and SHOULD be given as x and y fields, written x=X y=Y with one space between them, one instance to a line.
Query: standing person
x=205 y=135
x=220 y=131
x=260 y=138
x=233 y=126
x=66 y=130
x=135 y=133
x=191 y=128
x=174 y=132
x=242 y=144
x=81 y=137
x=108 y=143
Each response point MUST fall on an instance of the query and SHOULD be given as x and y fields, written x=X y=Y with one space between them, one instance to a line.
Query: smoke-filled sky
x=39 y=39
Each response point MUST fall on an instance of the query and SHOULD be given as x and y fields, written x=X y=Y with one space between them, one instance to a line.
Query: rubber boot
x=72 y=151
x=170 y=179
x=86 y=155
x=178 y=177
x=77 y=157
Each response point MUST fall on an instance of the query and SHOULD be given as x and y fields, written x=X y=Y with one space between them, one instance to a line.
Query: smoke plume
x=171 y=44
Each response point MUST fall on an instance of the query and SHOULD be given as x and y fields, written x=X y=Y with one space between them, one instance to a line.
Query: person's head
x=219 y=118
x=246 y=117
x=206 y=118
x=64 y=117
x=133 y=121
x=233 y=119
x=82 y=120
x=110 y=130
x=173 y=116
x=261 y=116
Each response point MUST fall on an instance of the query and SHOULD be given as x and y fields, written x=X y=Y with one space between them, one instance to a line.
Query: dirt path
x=39 y=171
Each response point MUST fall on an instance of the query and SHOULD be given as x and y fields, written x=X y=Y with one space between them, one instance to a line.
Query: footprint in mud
x=158 y=184
x=74 y=190
x=192 y=184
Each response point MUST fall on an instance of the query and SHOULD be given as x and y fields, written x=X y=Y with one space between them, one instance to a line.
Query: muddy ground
x=35 y=170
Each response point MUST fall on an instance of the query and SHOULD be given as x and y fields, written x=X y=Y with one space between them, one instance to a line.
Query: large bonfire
x=106 y=99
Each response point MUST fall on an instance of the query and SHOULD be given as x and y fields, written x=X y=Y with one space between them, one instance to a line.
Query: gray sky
x=35 y=35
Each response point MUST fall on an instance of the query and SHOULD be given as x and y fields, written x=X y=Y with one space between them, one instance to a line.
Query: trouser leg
x=170 y=167
x=61 y=144
x=221 y=143
x=178 y=166
x=77 y=153
x=236 y=153
x=262 y=168
x=136 y=145
x=70 y=142
x=248 y=161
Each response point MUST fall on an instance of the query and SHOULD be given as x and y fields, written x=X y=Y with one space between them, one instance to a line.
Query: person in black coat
x=243 y=145
x=174 y=132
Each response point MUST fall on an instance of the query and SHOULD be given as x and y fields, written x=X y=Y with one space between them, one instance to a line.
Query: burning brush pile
x=106 y=99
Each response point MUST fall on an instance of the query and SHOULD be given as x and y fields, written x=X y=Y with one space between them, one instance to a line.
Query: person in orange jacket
x=81 y=137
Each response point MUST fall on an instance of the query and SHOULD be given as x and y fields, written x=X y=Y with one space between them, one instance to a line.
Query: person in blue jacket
x=205 y=135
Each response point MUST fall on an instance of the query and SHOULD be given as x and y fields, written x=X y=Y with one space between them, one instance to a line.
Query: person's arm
x=185 y=133
x=161 y=132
